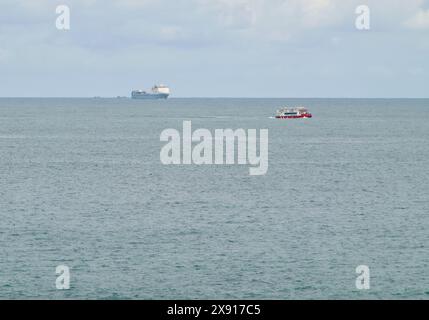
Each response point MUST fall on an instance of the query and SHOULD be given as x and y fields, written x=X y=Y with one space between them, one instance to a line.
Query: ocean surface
x=82 y=185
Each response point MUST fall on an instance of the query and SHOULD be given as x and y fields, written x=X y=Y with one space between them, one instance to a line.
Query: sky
x=215 y=48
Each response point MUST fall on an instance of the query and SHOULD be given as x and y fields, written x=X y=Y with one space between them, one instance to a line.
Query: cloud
x=283 y=20
x=275 y=19
x=193 y=22
x=419 y=21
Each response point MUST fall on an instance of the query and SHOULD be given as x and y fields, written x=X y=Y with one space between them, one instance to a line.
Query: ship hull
x=149 y=96
x=301 y=116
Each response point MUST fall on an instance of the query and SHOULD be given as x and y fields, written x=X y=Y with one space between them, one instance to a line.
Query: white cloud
x=284 y=19
x=198 y=20
x=277 y=19
x=419 y=21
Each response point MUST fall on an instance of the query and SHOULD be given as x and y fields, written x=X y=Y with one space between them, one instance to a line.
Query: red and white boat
x=293 y=113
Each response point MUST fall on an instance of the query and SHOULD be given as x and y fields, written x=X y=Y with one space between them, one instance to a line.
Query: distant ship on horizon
x=158 y=92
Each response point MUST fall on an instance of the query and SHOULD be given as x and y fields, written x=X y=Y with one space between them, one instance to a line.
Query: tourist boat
x=293 y=113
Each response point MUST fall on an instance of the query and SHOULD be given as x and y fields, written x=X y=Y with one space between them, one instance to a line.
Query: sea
x=82 y=186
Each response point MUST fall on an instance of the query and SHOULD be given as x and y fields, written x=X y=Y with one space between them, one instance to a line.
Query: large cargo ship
x=158 y=92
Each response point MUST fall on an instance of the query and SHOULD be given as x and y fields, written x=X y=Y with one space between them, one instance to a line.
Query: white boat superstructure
x=293 y=113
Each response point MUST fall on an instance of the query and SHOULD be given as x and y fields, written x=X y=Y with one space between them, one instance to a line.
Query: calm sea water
x=81 y=184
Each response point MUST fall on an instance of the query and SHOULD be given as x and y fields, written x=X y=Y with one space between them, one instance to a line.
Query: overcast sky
x=216 y=48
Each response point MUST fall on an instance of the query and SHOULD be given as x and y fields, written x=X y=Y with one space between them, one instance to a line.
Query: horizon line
x=200 y=97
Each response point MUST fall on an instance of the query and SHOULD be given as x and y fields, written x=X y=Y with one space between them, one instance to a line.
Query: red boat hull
x=307 y=115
